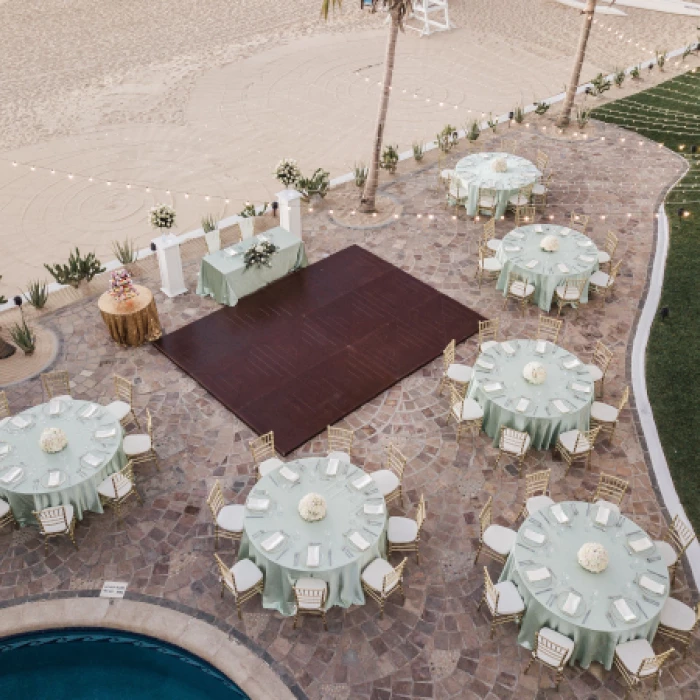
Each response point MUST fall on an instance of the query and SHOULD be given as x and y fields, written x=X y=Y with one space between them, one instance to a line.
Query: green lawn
x=670 y=114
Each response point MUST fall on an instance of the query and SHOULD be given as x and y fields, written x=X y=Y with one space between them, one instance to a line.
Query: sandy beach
x=202 y=99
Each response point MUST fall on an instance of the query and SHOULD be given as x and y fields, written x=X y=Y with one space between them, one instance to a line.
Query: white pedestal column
x=170 y=264
x=290 y=211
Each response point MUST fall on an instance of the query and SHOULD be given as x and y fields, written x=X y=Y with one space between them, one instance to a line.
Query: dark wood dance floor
x=309 y=349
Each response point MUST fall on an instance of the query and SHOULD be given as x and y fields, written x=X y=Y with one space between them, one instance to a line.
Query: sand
x=202 y=98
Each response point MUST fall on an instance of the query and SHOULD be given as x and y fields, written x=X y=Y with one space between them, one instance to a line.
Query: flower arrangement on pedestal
x=287 y=172
x=162 y=217
x=499 y=165
x=312 y=507
x=593 y=557
x=260 y=255
x=550 y=244
x=121 y=288
x=534 y=373
x=53 y=440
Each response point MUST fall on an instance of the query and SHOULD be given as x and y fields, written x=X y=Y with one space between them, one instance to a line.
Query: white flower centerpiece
x=500 y=165
x=534 y=373
x=312 y=507
x=162 y=217
x=593 y=557
x=53 y=440
x=287 y=172
x=550 y=244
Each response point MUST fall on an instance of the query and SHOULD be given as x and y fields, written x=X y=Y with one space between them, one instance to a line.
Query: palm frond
x=326 y=5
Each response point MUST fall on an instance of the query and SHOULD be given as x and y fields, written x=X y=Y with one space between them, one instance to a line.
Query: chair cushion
x=374 y=574
x=119 y=409
x=509 y=600
x=269 y=465
x=536 y=503
x=401 y=530
x=106 y=488
x=490 y=264
x=512 y=445
x=4 y=508
x=545 y=655
x=245 y=574
x=603 y=412
x=488 y=345
x=460 y=373
x=520 y=289
x=341 y=456
x=595 y=372
x=446 y=174
x=633 y=653
x=467 y=410
x=230 y=518
x=500 y=539
x=568 y=439
x=603 y=257
x=60 y=527
x=494 y=244
x=568 y=293
x=539 y=189
x=487 y=201
x=600 y=279
x=518 y=200
x=386 y=481
x=668 y=553
x=316 y=584
x=136 y=444
x=677 y=615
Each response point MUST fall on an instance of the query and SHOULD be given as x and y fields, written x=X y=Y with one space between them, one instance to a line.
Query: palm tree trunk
x=565 y=116
x=369 y=194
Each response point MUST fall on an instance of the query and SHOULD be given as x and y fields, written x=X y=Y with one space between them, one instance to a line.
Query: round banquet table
x=19 y=448
x=132 y=322
x=520 y=252
x=341 y=563
x=596 y=625
x=508 y=399
x=475 y=171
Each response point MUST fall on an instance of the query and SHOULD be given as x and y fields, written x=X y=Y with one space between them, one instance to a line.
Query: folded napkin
x=560 y=406
x=11 y=475
x=485 y=363
x=570 y=364
x=533 y=536
x=493 y=386
x=508 y=349
x=581 y=387
x=101 y=434
x=288 y=474
x=19 y=422
x=272 y=541
x=538 y=228
x=54 y=479
x=565 y=232
x=231 y=252
x=584 y=244
x=532 y=263
x=313 y=555
x=562 y=267
x=650 y=585
x=92 y=460
x=538 y=574
x=517 y=234
x=587 y=258
x=602 y=516
x=359 y=541
x=374 y=509
x=571 y=605
x=362 y=481
x=5 y=450
x=257 y=503
x=332 y=468
x=54 y=407
x=641 y=545
x=89 y=411
x=511 y=248
x=522 y=405
x=559 y=514
x=541 y=347
x=624 y=610
x=262 y=238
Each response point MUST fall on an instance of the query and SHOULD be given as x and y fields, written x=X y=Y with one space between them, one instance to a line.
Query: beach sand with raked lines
x=202 y=98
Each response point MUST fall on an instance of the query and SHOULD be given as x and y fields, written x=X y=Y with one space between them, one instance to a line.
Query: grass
x=670 y=114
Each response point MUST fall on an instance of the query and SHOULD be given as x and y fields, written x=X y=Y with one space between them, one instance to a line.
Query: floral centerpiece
x=121 y=288
x=550 y=244
x=499 y=165
x=162 y=217
x=312 y=507
x=534 y=373
x=260 y=255
x=593 y=557
x=287 y=172
x=53 y=440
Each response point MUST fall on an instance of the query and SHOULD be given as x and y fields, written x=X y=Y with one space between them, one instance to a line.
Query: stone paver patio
x=436 y=645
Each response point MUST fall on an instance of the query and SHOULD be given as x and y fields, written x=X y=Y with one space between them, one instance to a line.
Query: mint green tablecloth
x=81 y=480
x=225 y=277
x=546 y=275
x=592 y=630
x=344 y=513
x=476 y=171
x=541 y=419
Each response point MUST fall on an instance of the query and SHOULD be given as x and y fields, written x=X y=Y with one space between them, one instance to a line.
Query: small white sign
x=113 y=589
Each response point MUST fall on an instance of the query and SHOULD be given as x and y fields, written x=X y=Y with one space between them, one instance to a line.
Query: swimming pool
x=101 y=664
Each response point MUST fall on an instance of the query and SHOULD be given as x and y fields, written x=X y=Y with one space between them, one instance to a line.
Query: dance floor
x=306 y=351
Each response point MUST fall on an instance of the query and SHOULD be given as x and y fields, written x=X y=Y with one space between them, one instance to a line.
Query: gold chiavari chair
x=569 y=293
x=576 y=446
x=495 y=541
x=540 y=191
x=519 y=289
x=598 y=368
x=389 y=480
x=488 y=266
x=56 y=521
x=579 y=221
x=310 y=598
x=503 y=602
x=264 y=456
x=605 y=256
x=551 y=649
x=610 y=491
x=228 y=520
x=488 y=201
x=117 y=488
x=140 y=448
x=542 y=161
x=601 y=282
x=637 y=662
x=679 y=621
x=339 y=443
x=467 y=413
x=457 y=193
x=521 y=199
x=380 y=580
x=4 y=406
x=513 y=443
x=548 y=329
x=536 y=493
x=56 y=384
x=453 y=372
x=606 y=416
x=488 y=333
x=6 y=515
x=525 y=215
x=677 y=538
x=123 y=408
x=243 y=580
x=403 y=534
x=488 y=238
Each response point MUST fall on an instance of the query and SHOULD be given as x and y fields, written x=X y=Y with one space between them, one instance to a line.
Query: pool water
x=94 y=664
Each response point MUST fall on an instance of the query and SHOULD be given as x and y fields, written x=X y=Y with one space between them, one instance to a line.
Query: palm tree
x=6 y=350
x=565 y=116
x=397 y=9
